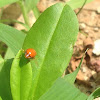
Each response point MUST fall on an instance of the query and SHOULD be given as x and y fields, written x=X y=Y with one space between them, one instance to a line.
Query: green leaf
x=74 y=4
x=0 y=98
x=9 y=54
x=6 y=2
x=20 y=77
x=5 y=91
x=12 y=37
x=95 y=94
x=52 y=36
x=71 y=77
x=62 y=90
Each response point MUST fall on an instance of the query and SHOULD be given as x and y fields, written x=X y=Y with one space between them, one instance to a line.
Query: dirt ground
x=88 y=78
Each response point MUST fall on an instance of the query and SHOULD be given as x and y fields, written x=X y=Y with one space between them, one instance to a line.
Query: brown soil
x=88 y=78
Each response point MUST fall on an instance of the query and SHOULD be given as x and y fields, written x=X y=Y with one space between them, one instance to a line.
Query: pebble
x=98 y=10
x=83 y=69
x=94 y=74
x=96 y=29
x=96 y=49
x=82 y=26
x=86 y=31
x=86 y=78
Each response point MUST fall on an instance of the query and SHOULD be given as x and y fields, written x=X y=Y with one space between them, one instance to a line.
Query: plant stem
x=82 y=7
x=24 y=11
x=15 y=21
x=36 y=12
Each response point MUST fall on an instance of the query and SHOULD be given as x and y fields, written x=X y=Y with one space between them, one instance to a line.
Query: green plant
x=52 y=36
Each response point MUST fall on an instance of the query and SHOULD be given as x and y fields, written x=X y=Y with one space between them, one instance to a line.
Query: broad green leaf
x=20 y=77
x=52 y=36
x=74 y=4
x=62 y=90
x=9 y=54
x=5 y=91
x=95 y=94
x=12 y=37
x=6 y=2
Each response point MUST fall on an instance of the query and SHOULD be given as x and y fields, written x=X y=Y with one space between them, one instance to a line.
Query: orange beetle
x=30 y=53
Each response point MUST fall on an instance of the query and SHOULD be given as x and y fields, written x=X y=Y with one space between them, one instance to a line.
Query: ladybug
x=30 y=53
